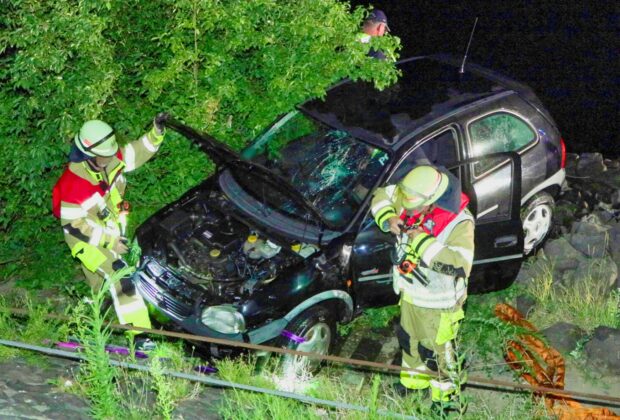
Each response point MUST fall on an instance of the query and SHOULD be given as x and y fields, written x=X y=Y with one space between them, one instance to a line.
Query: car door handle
x=505 y=241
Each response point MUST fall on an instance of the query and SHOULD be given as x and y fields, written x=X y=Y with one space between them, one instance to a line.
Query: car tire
x=316 y=326
x=537 y=220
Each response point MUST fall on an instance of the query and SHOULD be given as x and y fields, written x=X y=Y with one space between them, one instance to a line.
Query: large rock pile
x=585 y=243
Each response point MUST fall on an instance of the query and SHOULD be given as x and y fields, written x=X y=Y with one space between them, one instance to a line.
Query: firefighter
x=88 y=200
x=374 y=25
x=433 y=258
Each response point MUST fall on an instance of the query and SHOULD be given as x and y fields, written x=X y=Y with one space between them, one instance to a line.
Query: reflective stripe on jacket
x=88 y=200
x=445 y=251
x=445 y=264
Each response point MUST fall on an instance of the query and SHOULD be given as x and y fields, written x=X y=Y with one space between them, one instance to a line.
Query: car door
x=372 y=249
x=498 y=238
x=493 y=136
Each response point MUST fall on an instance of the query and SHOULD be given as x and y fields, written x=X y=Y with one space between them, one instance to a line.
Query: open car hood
x=223 y=155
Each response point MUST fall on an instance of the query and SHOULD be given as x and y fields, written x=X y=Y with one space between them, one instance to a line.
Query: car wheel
x=536 y=218
x=313 y=331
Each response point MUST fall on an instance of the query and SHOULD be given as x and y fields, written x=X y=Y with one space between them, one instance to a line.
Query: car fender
x=556 y=180
x=274 y=328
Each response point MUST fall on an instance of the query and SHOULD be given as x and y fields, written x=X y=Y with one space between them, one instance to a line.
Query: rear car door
x=496 y=183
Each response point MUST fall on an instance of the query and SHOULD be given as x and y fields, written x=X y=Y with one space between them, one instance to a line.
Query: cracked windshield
x=329 y=168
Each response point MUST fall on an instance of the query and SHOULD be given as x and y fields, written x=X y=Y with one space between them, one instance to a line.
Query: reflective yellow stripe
x=448 y=326
x=383 y=216
x=115 y=198
x=155 y=138
x=89 y=255
x=414 y=380
x=132 y=310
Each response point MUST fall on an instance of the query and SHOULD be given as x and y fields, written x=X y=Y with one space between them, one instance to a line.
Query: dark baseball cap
x=378 y=16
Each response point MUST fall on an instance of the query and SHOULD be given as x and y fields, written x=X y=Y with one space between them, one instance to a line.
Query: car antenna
x=471 y=36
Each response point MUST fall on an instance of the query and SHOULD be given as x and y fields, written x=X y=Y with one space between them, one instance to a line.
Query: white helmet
x=96 y=138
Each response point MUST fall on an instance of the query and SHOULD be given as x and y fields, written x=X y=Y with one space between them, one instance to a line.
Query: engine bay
x=210 y=250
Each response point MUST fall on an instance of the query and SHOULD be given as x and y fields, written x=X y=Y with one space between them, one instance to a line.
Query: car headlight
x=224 y=319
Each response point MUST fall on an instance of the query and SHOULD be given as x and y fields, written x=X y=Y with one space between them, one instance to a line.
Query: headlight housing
x=224 y=319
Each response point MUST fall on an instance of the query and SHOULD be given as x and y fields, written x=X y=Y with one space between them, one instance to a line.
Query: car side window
x=439 y=150
x=500 y=132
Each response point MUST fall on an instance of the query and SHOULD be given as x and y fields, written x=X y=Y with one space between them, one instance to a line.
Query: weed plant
x=96 y=375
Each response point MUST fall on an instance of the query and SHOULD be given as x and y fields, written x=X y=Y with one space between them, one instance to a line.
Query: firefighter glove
x=160 y=122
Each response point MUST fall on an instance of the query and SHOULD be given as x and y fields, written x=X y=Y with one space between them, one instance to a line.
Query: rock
x=540 y=267
x=605 y=215
x=615 y=199
x=564 y=336
x=562 y=255
x=525 y=304
x=611 y=164
x=614 y=241
x=590 y=225
x=590 y=164
x=594 y=246
x=603 y=350
x=602 y=272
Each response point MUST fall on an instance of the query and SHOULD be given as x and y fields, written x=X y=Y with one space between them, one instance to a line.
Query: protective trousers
x=130 y=308
x=426 y=339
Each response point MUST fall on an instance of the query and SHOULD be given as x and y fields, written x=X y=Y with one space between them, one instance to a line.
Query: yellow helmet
x=422 y=186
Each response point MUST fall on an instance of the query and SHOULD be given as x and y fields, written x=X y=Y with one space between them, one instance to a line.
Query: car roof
x=430 y=87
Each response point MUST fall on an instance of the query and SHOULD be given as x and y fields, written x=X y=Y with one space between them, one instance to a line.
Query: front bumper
x=188 y=317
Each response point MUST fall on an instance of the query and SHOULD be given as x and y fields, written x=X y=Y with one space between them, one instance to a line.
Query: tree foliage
x=226 y=67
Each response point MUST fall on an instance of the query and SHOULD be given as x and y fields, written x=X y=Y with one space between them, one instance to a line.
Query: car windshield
x=330 y=169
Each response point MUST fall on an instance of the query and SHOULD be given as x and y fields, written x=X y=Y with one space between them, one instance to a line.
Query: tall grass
x=170 y=391
x=586 y=303
x=371 y=390
x=34 y=328
x=96 y=375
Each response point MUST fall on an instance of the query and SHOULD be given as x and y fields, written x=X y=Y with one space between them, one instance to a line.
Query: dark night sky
x=568 y=53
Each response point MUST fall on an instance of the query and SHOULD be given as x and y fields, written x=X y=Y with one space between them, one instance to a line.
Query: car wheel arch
x=343 y=304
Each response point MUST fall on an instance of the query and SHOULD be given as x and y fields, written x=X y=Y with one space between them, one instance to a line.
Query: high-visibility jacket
x=87 y=201
x=443 y=253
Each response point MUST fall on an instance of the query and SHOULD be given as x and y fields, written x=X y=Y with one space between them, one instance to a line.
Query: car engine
x=216 y=252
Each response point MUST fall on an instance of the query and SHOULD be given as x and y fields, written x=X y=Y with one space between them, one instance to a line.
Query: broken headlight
x=224 y=319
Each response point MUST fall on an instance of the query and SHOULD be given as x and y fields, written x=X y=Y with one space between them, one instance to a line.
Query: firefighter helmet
x=422 y=186
x=96 y=138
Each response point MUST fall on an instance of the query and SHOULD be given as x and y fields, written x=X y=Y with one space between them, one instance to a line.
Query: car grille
x=162 y=299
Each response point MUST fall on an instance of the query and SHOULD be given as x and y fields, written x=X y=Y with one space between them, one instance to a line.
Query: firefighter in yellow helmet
x=433 y=258
x=88 y=200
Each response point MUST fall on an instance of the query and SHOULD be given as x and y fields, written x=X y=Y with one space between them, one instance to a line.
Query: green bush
x=226 y=67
